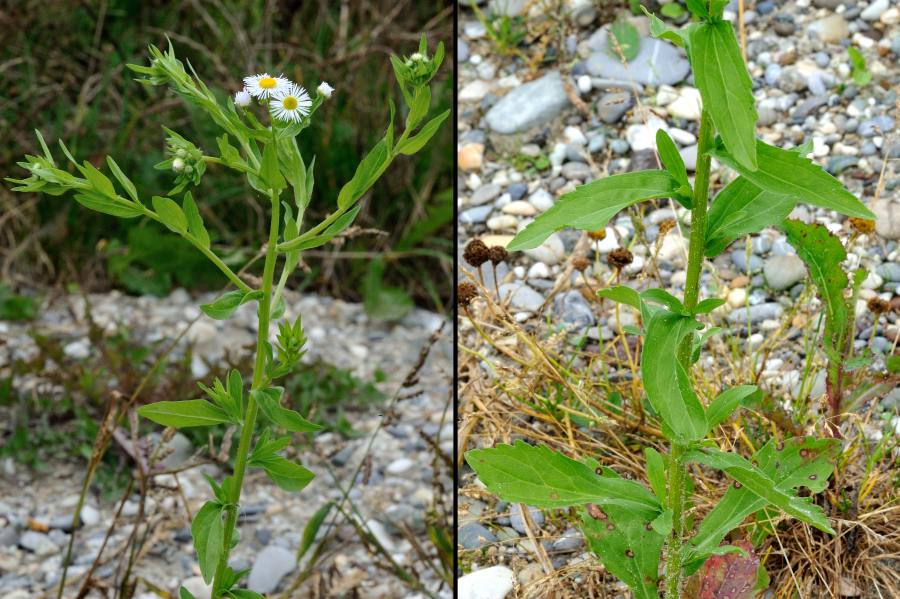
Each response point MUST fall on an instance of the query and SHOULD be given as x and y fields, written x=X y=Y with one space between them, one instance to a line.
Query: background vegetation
x=63 y=71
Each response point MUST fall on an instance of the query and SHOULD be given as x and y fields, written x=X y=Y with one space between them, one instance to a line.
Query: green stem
x=677 y=471
x=243 y=450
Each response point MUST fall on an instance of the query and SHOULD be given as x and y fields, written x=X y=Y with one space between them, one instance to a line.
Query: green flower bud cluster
x=185 y=159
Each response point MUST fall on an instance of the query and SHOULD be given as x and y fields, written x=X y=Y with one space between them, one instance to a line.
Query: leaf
x=124 y=181
x=797 y=462
x=294 y=170
x=628 y=547
x=663 y=523
x=823 y=253
x=418 y=141
x=268 y=169
x=742 y=208
x=226 y=304
x=591 y=206
x=656 y=473
x=288 y=475
x=194 y=220
x=184 y=414
x=539 y=476
x=98 y=180
x=208 y=532
x=761 y=485
x=236 y=391
x=623 y=37
x=731 y=575
x=663 y=298
x=788 y=173
x=671 y=159
x=672 y=10
x=726 y=402
x=698 y=8
x=368 y=171
x=244 y=594
x=660 y=30
x=312 y=528
x=419 y=109
x=170 y=214
x=100 y=203
x=269 y=401
x=708 y=305
x=183 y=593
x=725 y=88
x=622 y=294
x=665 y=380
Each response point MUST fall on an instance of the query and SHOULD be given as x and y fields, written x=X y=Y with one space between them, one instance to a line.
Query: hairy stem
x=243 y=450
x=677 y=471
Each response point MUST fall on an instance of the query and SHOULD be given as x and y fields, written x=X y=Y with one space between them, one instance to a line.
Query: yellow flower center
x=289 y=103
x=267 y=82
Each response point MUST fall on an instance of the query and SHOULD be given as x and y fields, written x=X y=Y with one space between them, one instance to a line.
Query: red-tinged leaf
x=729 y=576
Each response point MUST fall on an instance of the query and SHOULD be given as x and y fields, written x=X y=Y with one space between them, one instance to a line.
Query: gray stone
x=739 y=258
x=880 y=125
x=529 y=105
x=508 y=8
x=619 y=146
x=521 y=296
x=473 y=535
x=272 y=564
x=657 y=62
x=571 y=540
x=784 y=25
x=517 y=190
x=485 y=194
x=37 y=543
x=573 y=310
x=887 y=218
x=612 y=106
x=475 y=215
x=576 y=170
x=807 y=106
x=758 y=313
x=518 y=522
x=874 y=10
x=782 y=272
x=462 y=50
x=179 y=450
x=839 y=163
x=889 y=271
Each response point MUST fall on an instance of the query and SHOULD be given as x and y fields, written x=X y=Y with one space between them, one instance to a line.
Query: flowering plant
x=269 y=156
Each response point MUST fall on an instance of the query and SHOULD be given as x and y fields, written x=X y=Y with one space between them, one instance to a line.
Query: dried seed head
x=878 y=306
x=598 y=235
x=863 y=225
x=476 y=253
x=581 y=264
x=465 y=293
x=498 y=254
x=666 y=226
x=619 y=258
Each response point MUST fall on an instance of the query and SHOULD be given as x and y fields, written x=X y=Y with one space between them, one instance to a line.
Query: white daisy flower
x=325 y=89
x=291 y=104
x=265 y=86
x=242 y=98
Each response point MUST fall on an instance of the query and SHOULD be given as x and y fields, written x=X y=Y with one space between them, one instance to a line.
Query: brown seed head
x=598 y=235
x=476 y=253
x=619 y=258
x=863 y=225
x=465 y=293
x=878 y=306
x=498 y=254
x=581 y=264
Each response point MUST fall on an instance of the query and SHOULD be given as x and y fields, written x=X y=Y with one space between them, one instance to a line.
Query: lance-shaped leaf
x=123 y=180
x=787 y=172
x=726 y=402
x=416 y=142
x=225 y=305
x=591 y=206
x=627 y=545
x=97 y=201
x=665 y=380
x=208 y=532
x=184 y=414
x=170 y=213
x=288 y=475
x=656 y=473
x=725 y=88
x=823 y=253
x=269 y=401
x=368 y=171
x=539 y=476
x=798 y=462
x=339 y=225
x=671 y=159
x=194 y=220
x=742 y=208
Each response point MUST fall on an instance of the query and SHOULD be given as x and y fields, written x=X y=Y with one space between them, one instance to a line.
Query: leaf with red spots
x=729 y=576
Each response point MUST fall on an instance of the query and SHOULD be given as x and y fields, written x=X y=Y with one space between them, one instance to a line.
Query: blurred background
x=63 y=71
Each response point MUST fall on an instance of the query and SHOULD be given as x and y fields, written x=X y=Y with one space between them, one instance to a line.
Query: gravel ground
x=522 y=144
x=36 y=506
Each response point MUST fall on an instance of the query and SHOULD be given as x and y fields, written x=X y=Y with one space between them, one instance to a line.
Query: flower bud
x=325 y=90
x=178 y=164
